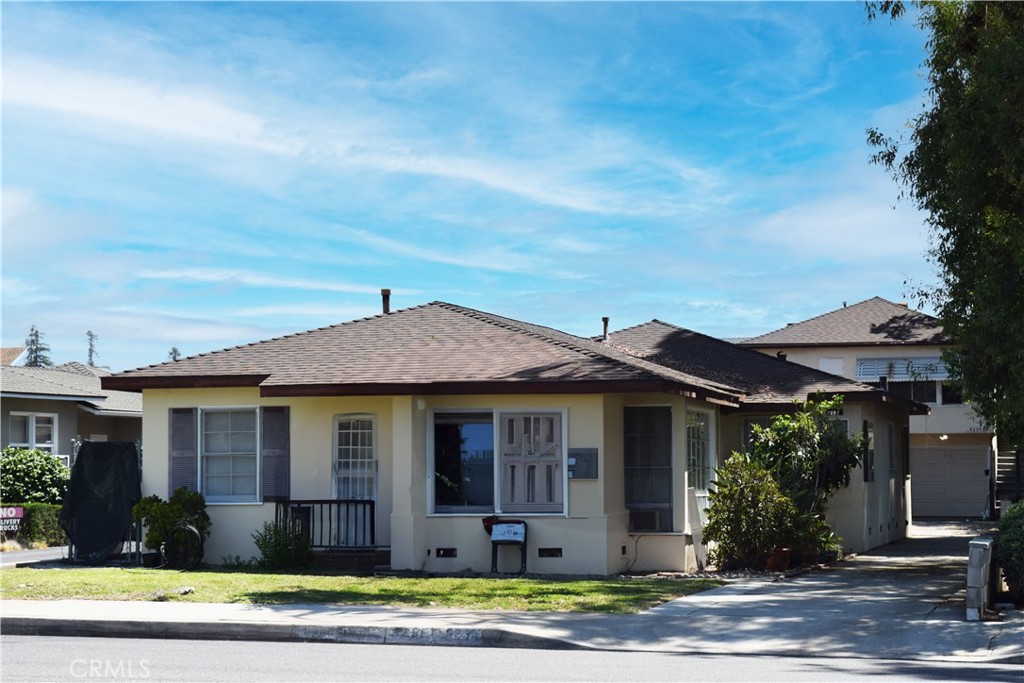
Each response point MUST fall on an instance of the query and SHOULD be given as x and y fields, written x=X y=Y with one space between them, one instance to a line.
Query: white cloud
x=162 y=110
x=251 y=279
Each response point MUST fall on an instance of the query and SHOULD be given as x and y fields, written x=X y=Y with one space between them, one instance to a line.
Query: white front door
x=355 y=476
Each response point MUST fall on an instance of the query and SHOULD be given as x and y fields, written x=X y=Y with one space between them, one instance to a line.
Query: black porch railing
x=332 y=523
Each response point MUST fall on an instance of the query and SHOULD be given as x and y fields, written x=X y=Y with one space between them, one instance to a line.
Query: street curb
x=263 y=631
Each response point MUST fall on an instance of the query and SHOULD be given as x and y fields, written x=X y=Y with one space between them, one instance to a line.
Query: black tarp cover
x=97 y=511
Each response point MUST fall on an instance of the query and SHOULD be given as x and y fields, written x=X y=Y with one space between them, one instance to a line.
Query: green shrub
x=160 y=517
x=282 y=546
x=1008 y=551
x=749 y=516
x=40 y=524
x=32 y=476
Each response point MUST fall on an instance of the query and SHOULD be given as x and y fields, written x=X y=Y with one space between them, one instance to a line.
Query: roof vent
x=385 y=295
x=604 y=320
x=902 y=304
x=781 y=355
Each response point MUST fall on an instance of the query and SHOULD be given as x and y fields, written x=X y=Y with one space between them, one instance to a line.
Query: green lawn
x=611 y=595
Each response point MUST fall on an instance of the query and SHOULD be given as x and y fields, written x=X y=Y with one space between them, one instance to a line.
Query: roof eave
x=140 y=382
x=49 y=397
x=784 y=345
x=462 y=388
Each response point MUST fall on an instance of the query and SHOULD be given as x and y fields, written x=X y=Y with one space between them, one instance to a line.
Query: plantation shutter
x=275 y=453
x=184 y=450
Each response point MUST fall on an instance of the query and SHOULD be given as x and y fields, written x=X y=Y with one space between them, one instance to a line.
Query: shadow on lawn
x=610 y=597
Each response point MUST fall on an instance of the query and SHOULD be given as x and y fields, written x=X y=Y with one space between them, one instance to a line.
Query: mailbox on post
x=508 y=532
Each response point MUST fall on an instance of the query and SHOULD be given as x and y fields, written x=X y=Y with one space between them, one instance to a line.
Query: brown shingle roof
x=9 y=354
x=437 y=348
x=871 y=322
x=765 y=379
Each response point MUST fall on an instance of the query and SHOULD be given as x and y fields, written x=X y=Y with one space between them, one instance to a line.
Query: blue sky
x=202 y=175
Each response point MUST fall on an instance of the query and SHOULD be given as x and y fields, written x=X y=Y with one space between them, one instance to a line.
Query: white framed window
x=700 y=458
x=355 y=457
x=228 y=461
x=33 y=430
x=527 y=476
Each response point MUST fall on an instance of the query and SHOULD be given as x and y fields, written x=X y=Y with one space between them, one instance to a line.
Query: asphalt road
x=38 y=658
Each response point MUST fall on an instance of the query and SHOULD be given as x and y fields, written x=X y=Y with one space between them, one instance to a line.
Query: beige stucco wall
x=592 y=535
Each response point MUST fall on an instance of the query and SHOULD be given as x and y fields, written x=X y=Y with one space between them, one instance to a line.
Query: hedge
x=39 y=524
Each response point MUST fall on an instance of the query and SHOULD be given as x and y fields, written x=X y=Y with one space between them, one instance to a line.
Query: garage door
x=949 y=482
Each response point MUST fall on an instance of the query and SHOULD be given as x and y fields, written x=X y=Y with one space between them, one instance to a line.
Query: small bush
x=749 y=516
x=161 y=517
x=32 y=476
x=1009 y=548
x=41 y=524
x=282 y=546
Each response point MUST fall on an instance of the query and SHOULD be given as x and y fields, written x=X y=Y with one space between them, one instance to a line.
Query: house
x=52 y=409
x=406 y=430
x=9 y=355
x=887 y=344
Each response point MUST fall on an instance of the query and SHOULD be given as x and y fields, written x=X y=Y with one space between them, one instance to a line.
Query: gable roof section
x=431 y=349
x=765 y=380
x=68 y=383
x=9 y=354
x=875 y=321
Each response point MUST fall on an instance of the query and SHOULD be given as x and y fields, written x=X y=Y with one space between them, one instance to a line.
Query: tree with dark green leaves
x=961 y=162
x=32 y=476
x=36 y=350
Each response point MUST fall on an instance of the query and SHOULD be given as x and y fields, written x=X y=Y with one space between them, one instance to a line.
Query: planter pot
x=778 y=561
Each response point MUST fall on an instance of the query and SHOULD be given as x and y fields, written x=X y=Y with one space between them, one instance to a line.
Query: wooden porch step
x=352 y=561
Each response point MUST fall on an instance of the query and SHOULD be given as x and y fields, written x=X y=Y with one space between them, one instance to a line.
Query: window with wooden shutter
x=183 y=452
x=275 y=452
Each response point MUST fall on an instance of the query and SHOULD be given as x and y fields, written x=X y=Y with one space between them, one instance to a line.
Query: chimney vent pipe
x=385 y=295
x=604 y=320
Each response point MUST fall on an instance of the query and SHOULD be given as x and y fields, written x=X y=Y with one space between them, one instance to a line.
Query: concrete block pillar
x=408 y=514
x=979 y=575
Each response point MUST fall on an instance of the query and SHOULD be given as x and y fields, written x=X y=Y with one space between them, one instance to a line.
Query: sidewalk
x=903 y=601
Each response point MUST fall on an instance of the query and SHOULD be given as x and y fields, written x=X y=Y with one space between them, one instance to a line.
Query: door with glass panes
x=355 y=478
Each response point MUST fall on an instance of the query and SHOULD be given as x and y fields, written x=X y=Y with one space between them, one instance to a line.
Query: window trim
x=201 y=455
x=497 y=414
x=712 y=453
x=30 y=431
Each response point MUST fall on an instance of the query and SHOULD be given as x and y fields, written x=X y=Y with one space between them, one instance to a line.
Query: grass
x=249 y=586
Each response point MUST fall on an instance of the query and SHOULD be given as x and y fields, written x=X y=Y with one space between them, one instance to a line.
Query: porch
x=342 y=533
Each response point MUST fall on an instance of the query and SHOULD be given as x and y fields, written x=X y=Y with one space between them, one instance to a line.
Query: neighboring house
x=407 y=429
x=9 y=355
x=52 y=408
x=877 y=341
